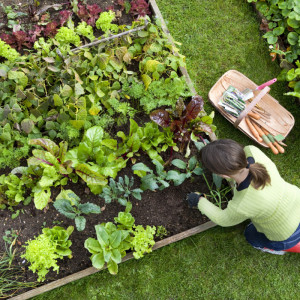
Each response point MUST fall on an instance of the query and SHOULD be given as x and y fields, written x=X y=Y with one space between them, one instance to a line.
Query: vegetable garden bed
x=158 y=207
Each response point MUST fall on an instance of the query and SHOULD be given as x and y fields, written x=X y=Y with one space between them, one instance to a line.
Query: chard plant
x=43 y=252
x=68 y=204
x=120 y=190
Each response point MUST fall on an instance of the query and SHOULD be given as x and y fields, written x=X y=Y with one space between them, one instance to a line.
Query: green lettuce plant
x=109 y=247
x=7 y=52
x=143 y=240
x=43 y=252
x=104 y=22
x=85 y=30
x=12 y=190
x=113 y=241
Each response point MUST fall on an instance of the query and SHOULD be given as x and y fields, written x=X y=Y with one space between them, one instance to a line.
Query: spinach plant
x=71 y=207
x=120 y=190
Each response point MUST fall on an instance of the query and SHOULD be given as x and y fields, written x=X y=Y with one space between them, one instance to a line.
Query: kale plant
x=69 y=205
x=120 y=190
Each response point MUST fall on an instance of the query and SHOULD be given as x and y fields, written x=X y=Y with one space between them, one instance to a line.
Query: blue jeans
x=258 y=239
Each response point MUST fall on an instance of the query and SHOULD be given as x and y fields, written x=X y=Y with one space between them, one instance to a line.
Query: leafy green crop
x=43 y=252
x=284 y=22
x=66 y=35
x=152 y=181
x=12 y=190
x=143 y=240
x=109 y=247
x=113 y=241
x=190 y=168
x=104 y=22
x=120 y=190
x=69 y=205
x=7 y=52
x=85 y=30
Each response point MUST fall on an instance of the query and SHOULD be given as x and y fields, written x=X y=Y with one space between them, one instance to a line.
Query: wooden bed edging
x=172 y=239
x=89 y=271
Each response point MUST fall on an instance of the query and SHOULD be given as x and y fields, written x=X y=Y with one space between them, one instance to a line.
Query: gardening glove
x=193 y=199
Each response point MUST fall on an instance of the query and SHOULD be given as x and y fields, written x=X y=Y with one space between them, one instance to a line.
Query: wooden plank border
x=89 y=271
x=175 y=238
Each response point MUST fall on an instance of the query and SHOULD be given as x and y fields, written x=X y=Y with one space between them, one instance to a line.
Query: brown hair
x=227 y=157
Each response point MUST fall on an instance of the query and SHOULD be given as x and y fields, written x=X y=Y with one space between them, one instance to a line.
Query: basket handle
x=244 y=113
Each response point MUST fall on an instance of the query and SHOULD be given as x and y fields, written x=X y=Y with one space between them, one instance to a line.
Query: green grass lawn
x=216 y=36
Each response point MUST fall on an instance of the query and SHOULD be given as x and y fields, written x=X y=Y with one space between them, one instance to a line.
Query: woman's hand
x=193 y=199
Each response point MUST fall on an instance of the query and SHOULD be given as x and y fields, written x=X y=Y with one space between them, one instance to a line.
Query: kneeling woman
x=260 y=194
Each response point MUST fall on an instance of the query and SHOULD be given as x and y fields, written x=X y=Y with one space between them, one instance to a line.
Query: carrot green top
x=274 y=210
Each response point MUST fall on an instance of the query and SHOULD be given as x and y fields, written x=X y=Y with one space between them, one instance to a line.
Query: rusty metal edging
x=175 y=238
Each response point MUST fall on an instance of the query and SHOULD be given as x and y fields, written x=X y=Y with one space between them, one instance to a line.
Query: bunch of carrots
x=262 y=135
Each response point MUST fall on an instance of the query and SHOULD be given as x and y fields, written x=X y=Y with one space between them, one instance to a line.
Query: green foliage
x=66 y=36
x=152 y=181
x=73 y=209
x=125 y=220
x=113 y=241
x=109 y=247
x=43 y=252
x=7 y=52
x=104 y=22
x=189 y=168
x=85 y=30
x=143 y=240
x=148 y=138
x=161 y=232
x=284 y=21
x=293 y=76
x=12 y=190
x=120 y=190
x=54 y=169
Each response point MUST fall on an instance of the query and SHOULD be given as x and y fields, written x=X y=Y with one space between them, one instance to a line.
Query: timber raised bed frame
x=175 y=238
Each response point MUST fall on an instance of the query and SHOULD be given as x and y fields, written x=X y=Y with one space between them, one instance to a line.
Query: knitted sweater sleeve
x=227 y=217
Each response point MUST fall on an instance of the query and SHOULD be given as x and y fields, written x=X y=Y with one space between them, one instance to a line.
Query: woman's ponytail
x=260 y=176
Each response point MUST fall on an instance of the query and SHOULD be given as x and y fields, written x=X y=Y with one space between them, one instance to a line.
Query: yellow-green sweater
x=274 y=210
